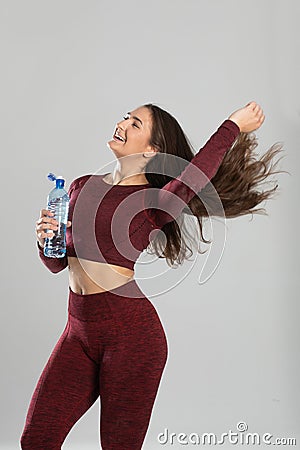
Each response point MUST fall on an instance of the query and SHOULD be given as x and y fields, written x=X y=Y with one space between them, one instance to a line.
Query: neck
x=129 y=170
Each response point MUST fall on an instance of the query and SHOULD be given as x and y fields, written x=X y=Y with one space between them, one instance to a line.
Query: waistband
x=93 y=306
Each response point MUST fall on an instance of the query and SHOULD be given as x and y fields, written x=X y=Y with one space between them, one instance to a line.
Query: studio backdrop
x=70 y=70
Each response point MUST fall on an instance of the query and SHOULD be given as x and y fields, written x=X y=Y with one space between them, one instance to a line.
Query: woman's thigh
x=66 y=388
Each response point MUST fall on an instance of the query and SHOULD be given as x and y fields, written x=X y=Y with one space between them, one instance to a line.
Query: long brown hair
x=237 y=182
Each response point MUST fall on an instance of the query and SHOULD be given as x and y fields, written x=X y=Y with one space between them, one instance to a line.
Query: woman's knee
x=32 y=439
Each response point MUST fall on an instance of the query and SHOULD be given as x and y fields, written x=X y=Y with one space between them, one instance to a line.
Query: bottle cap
x=51 y=176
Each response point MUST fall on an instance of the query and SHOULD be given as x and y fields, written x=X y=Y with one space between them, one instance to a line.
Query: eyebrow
x=136 y=118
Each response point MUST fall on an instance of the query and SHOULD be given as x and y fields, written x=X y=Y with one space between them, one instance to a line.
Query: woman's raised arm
x=203 y=166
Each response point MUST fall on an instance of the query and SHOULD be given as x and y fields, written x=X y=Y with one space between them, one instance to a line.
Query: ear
x=151 y=151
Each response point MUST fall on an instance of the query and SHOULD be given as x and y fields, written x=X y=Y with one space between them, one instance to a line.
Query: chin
x=110 y=144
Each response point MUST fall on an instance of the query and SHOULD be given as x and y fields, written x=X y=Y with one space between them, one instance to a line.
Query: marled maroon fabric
x=112 y=223
x=114 y=346
x=114 y=343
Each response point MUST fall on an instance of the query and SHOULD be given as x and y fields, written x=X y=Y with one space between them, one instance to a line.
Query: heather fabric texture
x=113 y=346
x=112 y=223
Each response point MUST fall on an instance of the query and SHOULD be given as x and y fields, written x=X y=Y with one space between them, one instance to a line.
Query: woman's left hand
x=249 y=118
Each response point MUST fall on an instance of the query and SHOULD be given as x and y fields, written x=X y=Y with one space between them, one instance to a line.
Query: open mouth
x=119 y=138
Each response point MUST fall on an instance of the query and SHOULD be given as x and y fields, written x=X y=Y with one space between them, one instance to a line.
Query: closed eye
x=128 y=117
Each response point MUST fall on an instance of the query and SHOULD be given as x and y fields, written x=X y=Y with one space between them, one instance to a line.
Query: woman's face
x=132 y=134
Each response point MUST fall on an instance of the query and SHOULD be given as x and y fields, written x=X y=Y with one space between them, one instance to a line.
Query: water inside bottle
x=55 y=247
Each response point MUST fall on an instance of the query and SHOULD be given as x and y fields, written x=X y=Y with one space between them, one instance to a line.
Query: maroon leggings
x=113 y=345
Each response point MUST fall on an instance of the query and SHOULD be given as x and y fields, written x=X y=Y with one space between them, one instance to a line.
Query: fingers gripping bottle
x=58 y=203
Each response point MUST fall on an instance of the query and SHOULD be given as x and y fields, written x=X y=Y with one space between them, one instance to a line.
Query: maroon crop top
x=112 y=223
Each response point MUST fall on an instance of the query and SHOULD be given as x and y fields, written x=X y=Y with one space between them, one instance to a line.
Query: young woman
x=114 y=344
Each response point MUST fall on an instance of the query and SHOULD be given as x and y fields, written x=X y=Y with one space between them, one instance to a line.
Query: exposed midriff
x=90 y=277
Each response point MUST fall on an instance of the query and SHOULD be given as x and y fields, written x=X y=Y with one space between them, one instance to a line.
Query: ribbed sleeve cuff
x=55 y=265
x=232 y=126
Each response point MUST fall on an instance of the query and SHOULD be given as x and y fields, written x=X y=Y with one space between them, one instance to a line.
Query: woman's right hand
x=46 y=222
x=249 y=118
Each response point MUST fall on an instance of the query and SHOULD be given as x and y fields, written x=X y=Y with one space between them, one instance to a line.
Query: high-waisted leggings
x=113 y=346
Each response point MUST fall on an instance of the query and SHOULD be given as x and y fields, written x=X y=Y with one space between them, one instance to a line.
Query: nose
x=121 y=124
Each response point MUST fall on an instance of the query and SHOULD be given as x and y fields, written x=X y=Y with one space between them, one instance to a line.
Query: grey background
x=70 y=70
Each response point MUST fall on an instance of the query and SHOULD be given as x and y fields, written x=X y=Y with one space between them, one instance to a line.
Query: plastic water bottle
x=58 y=203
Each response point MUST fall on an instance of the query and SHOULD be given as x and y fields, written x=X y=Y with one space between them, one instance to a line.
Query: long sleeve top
x=112 y=223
